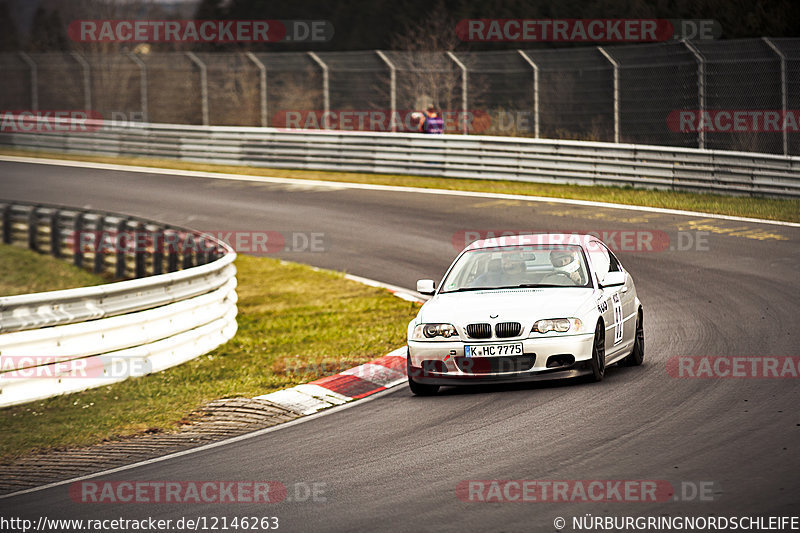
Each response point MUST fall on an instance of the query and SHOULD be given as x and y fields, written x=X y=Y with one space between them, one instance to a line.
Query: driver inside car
x=566 y=263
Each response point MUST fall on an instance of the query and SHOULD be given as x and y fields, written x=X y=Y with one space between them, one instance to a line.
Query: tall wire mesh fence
x=732 y=95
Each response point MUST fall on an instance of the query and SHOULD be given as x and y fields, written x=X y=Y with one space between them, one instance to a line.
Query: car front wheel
x=598 y=362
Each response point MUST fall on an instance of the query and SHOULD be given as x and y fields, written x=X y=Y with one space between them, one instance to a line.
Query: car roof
x=532 y=239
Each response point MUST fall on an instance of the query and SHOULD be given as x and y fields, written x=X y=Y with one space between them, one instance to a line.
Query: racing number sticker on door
x=617 y=318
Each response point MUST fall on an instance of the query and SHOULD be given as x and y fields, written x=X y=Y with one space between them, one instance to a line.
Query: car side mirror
x=613 y=279
x=426 y=286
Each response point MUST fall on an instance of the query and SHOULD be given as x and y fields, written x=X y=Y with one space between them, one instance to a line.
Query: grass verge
x=295 y=324
x=767 y=208
x=23 y=271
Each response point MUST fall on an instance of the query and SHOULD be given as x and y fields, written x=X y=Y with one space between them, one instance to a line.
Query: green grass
x=23 y=271
x=768 y=208
x=295 y=324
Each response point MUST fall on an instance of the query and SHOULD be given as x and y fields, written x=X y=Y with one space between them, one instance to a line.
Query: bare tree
x=426 y=75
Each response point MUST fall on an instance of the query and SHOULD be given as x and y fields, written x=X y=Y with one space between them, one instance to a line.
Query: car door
x=627 y=298
x=612 y=300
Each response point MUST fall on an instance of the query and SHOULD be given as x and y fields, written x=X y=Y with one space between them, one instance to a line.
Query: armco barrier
x=63 y=341
x=452 y=156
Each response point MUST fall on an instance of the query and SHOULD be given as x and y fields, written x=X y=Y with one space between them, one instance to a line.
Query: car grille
x=479 y=331
x=508 y=329
x=490 y=365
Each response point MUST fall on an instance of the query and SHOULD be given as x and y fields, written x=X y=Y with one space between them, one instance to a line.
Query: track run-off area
x=729 y=446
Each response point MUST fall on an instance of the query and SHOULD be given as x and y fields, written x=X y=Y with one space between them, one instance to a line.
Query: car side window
x=599 y=256
x=614 y=264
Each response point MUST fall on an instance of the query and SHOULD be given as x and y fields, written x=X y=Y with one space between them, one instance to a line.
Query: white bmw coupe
x=525 y=307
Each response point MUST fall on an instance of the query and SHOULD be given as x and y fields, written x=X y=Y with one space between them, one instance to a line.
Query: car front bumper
x=435 y=363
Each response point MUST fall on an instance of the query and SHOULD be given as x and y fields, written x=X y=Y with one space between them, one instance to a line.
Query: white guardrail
x=64 y=341
x=452 y=156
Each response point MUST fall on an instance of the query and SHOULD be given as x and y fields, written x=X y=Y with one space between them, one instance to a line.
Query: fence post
x=262 y=84
x=535 y=68
x=34 y=80
x=142 y=84
x=203 y=84
x=463 y=68
x=326 y=96
x=87 y=80
x=784 y=95
x=615 y=65
x=701 y=89
x=392 y=88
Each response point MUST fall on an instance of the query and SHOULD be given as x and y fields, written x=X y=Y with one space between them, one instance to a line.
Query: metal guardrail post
x=203 y=84
x=34 y=80
x=392 y=87
x=87 y=80
x=615 y=65
x=784 y=94
x=701 y=88
x=262 y=79
x=142 y=84
x=463 y=68
x=535 y=68
x=326 y=96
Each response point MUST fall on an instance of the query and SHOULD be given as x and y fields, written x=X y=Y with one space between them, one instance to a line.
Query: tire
x=637 y=354
x=598 y=361
x=419 y=389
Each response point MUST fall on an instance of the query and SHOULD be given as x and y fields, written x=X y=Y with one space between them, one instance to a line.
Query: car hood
x=520 y=305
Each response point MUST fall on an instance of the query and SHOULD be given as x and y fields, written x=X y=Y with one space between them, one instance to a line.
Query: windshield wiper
x=533 y=285
x=465 y=289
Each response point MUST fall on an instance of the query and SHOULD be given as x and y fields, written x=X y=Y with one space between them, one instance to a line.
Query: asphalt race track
x=393 y=463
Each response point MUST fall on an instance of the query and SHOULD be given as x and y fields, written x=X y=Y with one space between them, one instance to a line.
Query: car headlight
x=432 y=331
x=560 y=325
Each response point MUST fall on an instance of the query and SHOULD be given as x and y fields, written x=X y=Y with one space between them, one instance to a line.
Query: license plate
x=493 y=350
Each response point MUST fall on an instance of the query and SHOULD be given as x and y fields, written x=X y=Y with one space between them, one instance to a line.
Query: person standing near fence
x=433 y=122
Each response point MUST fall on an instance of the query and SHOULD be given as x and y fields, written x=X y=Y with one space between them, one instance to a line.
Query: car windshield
x=515 y=267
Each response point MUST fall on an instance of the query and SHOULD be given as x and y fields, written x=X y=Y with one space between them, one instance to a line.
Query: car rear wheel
x=637 y=354
x=419 y=389
x=598 y=362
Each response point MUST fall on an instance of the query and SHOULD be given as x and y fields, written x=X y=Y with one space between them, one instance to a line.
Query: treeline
x=387 y=24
